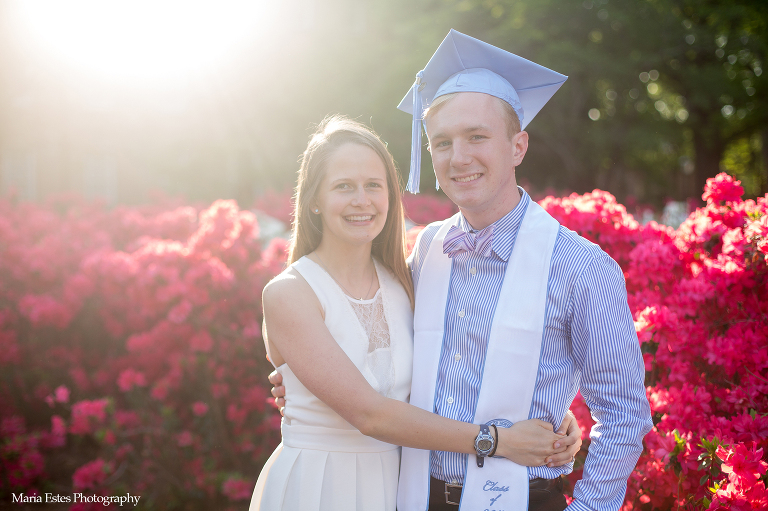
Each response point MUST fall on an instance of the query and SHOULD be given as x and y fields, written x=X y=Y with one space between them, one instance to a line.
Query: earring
x=317 y=210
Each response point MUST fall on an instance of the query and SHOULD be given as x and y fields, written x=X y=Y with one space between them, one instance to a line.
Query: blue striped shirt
x=589 y=344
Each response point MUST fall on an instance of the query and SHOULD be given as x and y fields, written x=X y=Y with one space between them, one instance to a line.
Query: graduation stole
x=511 y=362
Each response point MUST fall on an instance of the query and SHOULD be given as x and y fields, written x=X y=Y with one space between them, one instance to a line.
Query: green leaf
x=703 y=479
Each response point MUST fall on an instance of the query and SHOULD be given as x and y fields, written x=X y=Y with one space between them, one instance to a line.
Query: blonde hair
x=513 y=121
x=389 y=246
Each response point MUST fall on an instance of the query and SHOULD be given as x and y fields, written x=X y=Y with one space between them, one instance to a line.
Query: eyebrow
x=342 y=179
x=470 y=129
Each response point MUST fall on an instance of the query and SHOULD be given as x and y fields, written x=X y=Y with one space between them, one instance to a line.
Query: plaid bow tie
x=457 y=241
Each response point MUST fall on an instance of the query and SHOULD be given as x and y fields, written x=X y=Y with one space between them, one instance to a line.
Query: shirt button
x=461 y=313
x=457 y=357
x=449 y=400
x=473 y=270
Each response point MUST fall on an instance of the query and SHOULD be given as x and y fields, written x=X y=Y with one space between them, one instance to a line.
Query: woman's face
x=353 y=197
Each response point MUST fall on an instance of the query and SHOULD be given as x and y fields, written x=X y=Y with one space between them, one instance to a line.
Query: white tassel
x=415 y=172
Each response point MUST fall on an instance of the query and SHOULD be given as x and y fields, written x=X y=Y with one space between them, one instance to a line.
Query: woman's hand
x=278 y=390
x=567 y=448
x=533 y=443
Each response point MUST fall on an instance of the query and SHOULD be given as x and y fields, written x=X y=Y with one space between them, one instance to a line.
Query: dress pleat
x=304 y=485
x=340 y=482
x=370 y=485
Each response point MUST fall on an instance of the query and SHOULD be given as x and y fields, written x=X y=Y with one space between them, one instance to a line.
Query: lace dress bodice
x=370 y=314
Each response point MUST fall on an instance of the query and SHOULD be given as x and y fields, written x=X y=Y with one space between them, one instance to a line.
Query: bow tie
x=457 y=241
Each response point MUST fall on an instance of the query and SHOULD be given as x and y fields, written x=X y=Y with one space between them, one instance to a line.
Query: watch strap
x=484 y=432
x=496 y=441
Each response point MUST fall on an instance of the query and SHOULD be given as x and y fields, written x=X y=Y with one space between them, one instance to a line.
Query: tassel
x=415 y=173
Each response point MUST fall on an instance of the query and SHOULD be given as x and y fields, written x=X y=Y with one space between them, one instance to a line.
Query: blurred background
x=204 y=100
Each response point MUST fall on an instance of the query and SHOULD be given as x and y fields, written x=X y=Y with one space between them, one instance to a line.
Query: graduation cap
x=465 y=64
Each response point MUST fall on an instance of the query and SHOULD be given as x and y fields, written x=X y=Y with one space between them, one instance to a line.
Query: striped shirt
x=589 y=344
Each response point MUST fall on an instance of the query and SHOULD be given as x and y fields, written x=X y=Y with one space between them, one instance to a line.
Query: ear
x=520 y=147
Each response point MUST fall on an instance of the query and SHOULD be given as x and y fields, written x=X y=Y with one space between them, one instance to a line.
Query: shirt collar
x=505 y=229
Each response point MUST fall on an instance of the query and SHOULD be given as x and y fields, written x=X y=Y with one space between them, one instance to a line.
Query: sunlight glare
x=140 y=40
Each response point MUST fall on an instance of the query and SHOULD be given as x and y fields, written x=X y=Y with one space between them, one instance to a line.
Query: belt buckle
x=448 y=488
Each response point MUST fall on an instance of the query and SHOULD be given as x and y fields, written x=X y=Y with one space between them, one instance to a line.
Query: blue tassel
x=415 y=173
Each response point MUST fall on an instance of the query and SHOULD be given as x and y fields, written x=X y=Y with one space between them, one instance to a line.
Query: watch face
x=484 y=445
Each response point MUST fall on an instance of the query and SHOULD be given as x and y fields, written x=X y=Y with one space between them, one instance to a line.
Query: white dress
x=323 y=462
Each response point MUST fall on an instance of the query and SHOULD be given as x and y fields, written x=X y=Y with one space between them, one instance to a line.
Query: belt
x=447 y=496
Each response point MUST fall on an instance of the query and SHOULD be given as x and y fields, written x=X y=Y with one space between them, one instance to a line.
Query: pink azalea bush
x=132 y=359
x=425 y=208
x=699 y=295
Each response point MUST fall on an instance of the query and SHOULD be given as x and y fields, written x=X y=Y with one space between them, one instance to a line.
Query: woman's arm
x=298 y=336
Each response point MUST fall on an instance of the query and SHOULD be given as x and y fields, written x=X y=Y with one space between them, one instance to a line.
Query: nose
x=460 y=154
x=361 y=197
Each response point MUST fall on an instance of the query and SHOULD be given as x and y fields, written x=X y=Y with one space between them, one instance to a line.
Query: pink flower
x=12 y=426
x=130 y=378
x=219 y=390
x=237 y=489
x=661 y=446
x=202 y=342
x=160 y=390
x=80 y=378
x=91 y=475
x=722 y=188
x=24 y=469
x=57 y=437
x=126 y=419
x=45 y=310
x=236 y=415
x=184 y=439
x=61 y=394
x=180 y=312
x=199 y=408
x=277 y=204
x=411 y=236
x=427 y=208
x=88 y=415
x=743 y=466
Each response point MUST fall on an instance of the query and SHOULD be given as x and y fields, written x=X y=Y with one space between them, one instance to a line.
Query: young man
x=514 y=313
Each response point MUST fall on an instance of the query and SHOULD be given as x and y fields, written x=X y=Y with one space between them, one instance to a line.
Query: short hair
x=513 y=121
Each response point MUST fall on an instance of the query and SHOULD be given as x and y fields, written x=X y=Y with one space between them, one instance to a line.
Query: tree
x=657 y=89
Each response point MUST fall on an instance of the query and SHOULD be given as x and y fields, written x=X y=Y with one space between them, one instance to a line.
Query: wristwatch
x=484 y=444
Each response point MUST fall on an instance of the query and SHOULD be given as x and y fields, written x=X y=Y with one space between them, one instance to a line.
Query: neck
x=351 y=265
x=482 y=218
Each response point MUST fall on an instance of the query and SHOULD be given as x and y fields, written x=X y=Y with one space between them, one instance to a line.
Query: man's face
x=474 y=157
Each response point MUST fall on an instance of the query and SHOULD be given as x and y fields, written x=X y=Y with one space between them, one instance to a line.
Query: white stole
x=511 y=362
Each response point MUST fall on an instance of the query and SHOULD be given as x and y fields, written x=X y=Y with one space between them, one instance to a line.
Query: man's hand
x=278 y=391
x=533 y=443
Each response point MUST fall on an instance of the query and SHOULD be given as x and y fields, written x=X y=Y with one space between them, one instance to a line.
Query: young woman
x=338 y=327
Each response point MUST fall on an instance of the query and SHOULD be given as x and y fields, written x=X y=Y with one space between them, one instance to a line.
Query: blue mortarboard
x=465 y=64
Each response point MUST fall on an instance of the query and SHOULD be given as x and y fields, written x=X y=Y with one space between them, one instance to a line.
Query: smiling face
x=353 y=197
x=475 y=157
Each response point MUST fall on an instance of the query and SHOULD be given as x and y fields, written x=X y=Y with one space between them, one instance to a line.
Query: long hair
x=389 y=246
